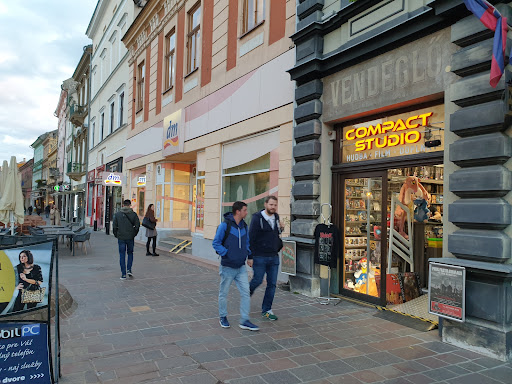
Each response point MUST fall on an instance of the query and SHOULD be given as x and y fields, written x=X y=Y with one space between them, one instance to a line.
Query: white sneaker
x=129 y=273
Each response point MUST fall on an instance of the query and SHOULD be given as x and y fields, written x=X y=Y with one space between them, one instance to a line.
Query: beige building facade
x=211 y=109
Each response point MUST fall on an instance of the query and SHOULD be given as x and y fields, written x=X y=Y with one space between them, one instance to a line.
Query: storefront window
x=249 y=182
x=141 y=202
x=200 y=201
x=90 y=196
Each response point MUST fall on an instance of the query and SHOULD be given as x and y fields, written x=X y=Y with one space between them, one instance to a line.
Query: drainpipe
x=87 y=135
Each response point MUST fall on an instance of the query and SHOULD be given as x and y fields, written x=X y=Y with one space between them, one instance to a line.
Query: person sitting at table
x=30 y=277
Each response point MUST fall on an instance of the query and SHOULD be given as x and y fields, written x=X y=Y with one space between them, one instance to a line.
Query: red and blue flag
x=492 y=19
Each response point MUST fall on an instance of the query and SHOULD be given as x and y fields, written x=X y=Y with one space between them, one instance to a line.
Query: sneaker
x=149 y=254
x=224 y=323
x=129 y=273
x=156 y=254
x=269 y=315
x=123 y=277
x=248 y=325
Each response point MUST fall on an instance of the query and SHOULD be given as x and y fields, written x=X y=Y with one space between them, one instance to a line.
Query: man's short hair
x=238 y=206
x=127 y=203
x=271 y=197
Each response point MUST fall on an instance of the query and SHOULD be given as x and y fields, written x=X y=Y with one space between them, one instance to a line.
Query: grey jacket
x=126 y=224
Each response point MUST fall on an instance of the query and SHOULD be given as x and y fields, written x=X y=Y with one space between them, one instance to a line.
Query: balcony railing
x=77 y=114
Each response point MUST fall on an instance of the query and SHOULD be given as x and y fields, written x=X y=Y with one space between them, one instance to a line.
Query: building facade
x=26 y=181
x=76 y=150
x=38 y=194
x=393 y=102
x=109 y=115
x=62 y=179
x=49 y=168
x=210 y=112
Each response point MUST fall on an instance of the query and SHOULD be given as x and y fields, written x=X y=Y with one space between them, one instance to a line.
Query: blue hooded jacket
x=235 y=250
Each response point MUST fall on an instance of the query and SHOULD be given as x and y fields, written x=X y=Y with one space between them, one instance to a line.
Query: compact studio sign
x=397 y=132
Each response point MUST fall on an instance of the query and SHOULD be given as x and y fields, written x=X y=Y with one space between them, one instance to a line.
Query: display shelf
x=355 y=246
x=355 y=185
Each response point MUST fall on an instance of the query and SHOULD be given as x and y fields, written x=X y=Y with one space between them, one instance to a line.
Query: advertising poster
x=447 y=291
x=25 y=277
x=24 y=356
x=289 y=258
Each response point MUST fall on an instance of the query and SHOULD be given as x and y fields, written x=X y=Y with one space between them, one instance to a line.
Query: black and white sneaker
x=129 y=273
x=123 y=277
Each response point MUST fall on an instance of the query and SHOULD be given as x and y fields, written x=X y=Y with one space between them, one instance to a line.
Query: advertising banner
x=447 y=288
x=25 y=277
x=289 y=258
x=24 y=353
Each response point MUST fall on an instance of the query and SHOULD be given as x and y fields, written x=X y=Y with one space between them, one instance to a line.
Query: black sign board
x=24 y=353
x=446 y=292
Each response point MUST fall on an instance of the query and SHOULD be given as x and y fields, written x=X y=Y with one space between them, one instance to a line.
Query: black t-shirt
x=327 y=243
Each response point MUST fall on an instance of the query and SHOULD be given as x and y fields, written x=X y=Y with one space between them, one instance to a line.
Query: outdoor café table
x=61 y=232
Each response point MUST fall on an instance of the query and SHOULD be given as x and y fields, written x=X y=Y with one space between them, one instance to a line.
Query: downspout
x=87 y=135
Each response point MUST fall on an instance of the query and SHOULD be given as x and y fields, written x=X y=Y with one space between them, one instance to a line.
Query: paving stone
x=439 y=347
x=204 y=357
x=241 y=351
x=470 y=366
x=280 y=364
x=473 y=378
x=439 y=374
x=335 y=367
x=501 y=373
x=248 y=380
x=344 y=379
x=413 y=352
x=361 y=363
x=252 y=369
x=410 y=367
x=309 y=373
x=267 y=347
x=384 y=358
x=487 y=362
x=388 y=371
x=201 y=378
x=458 y=370
x=281 y=377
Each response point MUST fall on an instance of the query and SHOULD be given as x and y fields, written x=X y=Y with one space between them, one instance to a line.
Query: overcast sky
x=41 y=43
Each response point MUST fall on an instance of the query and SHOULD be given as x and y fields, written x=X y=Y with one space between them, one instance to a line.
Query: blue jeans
x=124 y=246
x=270 y=266
x=239 y=275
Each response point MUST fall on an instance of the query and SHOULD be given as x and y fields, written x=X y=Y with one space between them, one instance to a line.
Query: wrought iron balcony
x=77 y=114
x=76 y=171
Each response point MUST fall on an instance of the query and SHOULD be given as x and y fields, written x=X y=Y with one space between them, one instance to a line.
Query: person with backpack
x=265 y=243
x=126 y=226
x=231 y=242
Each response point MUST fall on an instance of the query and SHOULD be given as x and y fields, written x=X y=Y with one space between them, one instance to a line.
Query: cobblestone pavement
x=162 y=327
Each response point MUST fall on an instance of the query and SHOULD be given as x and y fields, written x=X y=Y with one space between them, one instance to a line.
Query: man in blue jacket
x=231 y=242
x=265 y=244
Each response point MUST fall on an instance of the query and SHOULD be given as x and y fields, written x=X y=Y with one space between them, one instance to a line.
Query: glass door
x=363 y=272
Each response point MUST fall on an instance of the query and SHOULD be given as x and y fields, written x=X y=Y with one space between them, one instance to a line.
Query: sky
x=41 y=43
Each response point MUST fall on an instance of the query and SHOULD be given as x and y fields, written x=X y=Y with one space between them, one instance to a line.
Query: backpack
x=229 y=223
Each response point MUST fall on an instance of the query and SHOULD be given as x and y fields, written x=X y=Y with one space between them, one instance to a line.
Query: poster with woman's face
x=24 y=277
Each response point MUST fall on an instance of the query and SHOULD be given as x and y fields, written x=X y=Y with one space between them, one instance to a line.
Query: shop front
x=112 y=180
x=380 y=166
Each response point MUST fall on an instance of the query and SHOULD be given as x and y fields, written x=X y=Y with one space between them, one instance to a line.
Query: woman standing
x=54 y=215
x=151 y=233
x=30 y=277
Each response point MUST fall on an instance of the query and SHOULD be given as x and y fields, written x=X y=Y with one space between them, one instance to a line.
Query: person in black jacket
x=265 y=242
x=30 y=277
x=126 y=226
x=231 y=243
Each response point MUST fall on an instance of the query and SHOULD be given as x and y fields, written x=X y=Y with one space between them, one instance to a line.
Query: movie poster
x=25 y=277
x=447 y=291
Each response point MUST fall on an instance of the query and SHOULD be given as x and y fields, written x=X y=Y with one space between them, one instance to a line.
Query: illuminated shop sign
x=174 y=132
x=399 y=135
x=112 y=178
x=393 y=131
x=141 y=181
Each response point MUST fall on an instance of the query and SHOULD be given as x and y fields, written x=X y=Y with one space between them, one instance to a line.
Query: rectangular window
x=121 y=108
x=111 y=117
x=102 y=126
x=193 y=43
x=140 y=86
x=253 y=14
x=170 y=46
x=92 y=134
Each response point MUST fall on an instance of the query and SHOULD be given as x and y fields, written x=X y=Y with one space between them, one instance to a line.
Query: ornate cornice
x=170 y=8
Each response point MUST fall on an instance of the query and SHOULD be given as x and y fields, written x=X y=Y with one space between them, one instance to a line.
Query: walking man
x=231 y=242
x=126 y=226
x=265 y=244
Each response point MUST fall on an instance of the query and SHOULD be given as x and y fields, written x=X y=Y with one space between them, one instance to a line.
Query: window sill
x=191 y=72
x=168 y=89
x=139 y=110
x=252 y=29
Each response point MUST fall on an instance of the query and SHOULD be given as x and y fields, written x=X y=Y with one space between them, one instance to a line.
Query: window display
x=363 y=216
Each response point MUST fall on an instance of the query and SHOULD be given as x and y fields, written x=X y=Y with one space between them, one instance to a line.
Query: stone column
x=306 y=153
x=480 y=210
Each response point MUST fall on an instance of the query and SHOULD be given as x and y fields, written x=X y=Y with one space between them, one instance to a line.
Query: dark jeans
x=125 y=246
x=265 y=265
x=154 y=244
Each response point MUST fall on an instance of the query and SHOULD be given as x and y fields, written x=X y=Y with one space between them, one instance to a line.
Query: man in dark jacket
x=265 y=244
x=126 y=226
x=231 y=242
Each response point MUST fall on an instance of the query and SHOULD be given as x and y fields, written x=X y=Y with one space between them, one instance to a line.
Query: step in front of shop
x=170 y=243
